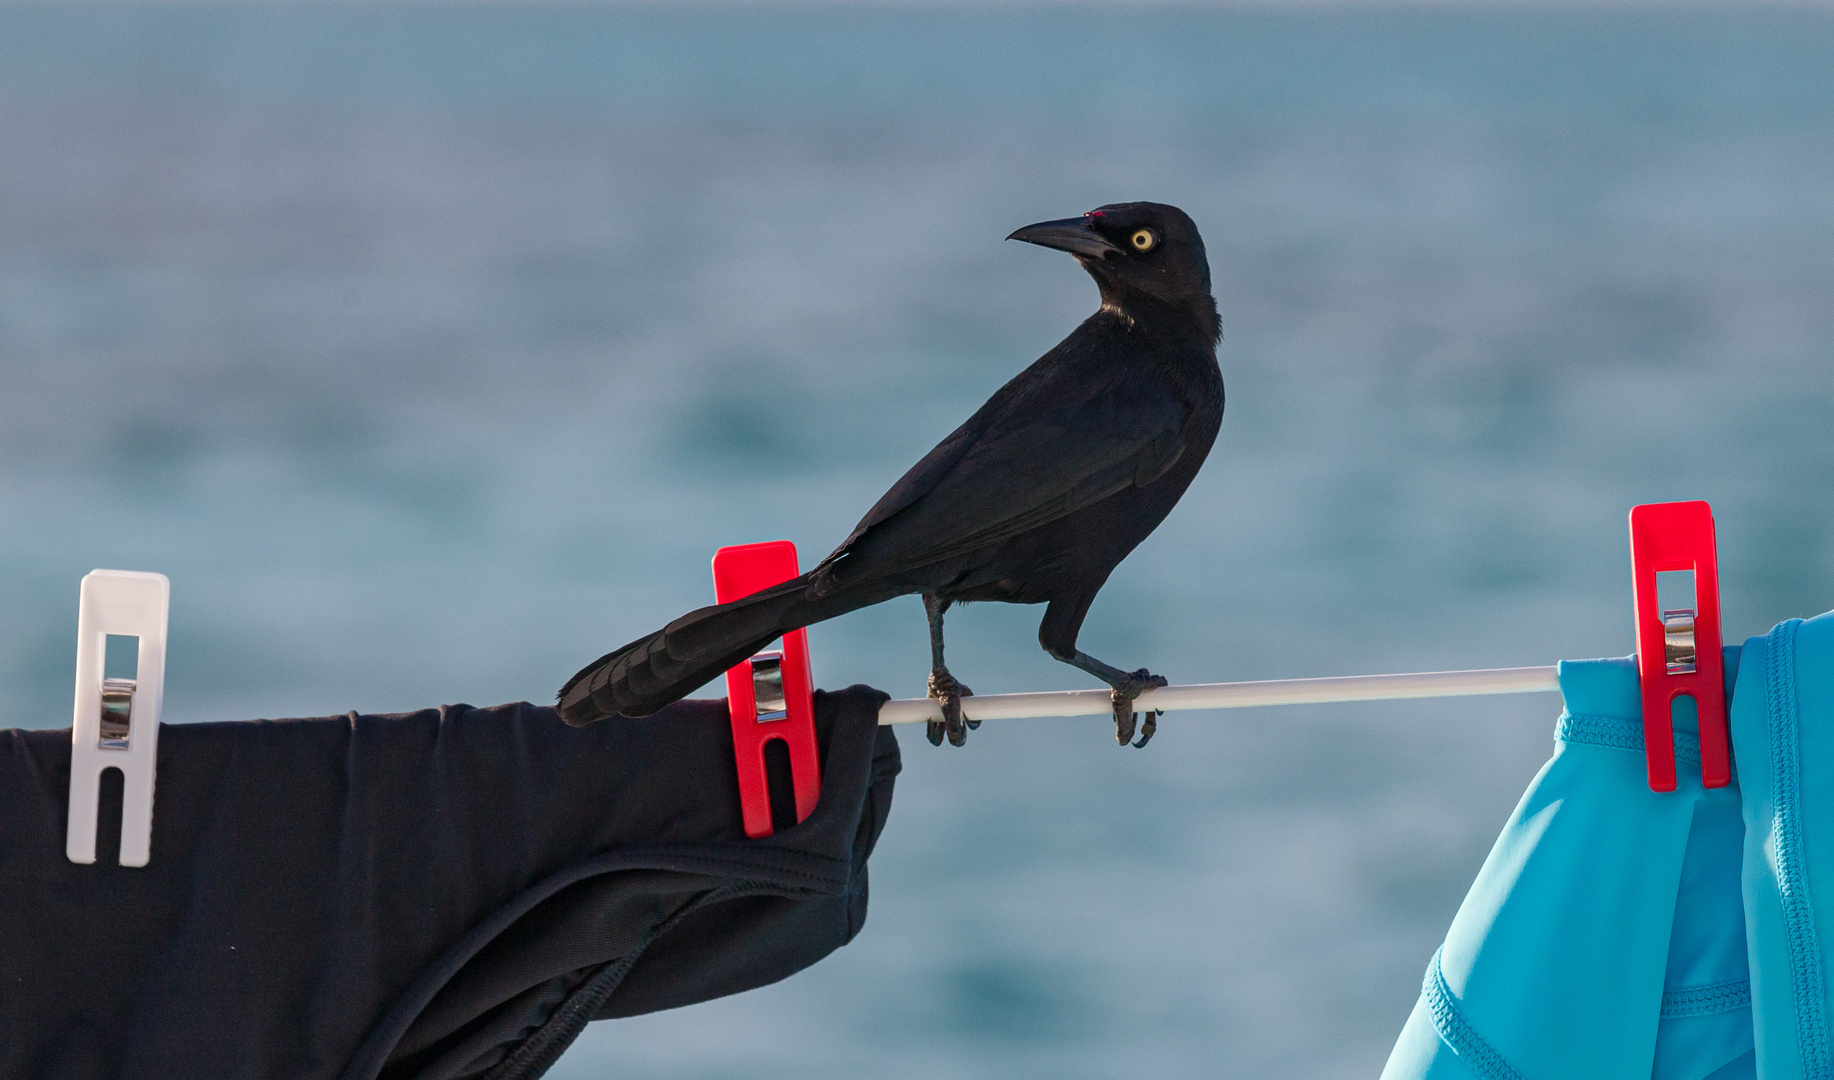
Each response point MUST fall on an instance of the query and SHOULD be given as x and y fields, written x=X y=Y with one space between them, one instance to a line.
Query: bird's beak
x=1071 y=234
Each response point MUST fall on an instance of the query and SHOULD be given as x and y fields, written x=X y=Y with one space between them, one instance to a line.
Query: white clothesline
x=1239 y=695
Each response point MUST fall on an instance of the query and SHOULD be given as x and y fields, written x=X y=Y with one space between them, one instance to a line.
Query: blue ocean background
x=431 y=349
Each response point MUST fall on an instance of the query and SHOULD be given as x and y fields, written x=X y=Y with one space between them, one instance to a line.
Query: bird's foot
x=1124 y=694
x=949 y=694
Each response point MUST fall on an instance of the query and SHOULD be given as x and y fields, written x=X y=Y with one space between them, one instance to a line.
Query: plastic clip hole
x=1676 y=601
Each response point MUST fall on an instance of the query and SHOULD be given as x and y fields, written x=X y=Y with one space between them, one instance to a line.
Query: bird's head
x=1136 y=250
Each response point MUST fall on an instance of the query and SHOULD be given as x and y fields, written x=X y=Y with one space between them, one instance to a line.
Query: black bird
x=1034 y=500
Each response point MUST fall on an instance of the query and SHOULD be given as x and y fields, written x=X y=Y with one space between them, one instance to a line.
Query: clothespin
x=772 y=695
x=116 y=724
x=1678 y=645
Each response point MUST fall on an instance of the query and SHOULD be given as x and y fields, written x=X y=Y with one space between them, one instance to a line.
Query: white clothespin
x=116 y=725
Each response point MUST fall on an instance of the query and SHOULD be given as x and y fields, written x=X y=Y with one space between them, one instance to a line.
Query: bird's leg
x=943 y=686
x=1124 y=687
x=1063 y=620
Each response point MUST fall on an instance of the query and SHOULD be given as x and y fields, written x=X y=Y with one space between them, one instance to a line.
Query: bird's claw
x=949 y=694
x=1124 y=694
x=1148 y=727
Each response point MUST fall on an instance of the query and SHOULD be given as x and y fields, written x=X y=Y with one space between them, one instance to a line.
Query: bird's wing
x=917 y=481
x=1023 y=468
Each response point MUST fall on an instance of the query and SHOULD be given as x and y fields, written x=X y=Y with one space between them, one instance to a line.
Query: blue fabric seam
x=1457 y=1032
x=1791 y=871
x=1706 y=1000
x=1618 y=733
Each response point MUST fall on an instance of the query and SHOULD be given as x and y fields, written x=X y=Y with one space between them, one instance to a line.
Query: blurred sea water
x=432 y=349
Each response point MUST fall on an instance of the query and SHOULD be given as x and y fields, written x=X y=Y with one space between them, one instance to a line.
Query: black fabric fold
x=440 y=895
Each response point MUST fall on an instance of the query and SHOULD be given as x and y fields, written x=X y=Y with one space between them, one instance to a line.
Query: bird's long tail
x=665 y=666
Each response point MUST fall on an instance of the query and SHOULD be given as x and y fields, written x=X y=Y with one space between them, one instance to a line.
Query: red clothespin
x=1678 y=649
x=772 y=695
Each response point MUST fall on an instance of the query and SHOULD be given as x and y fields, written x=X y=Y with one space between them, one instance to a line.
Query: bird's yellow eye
x=1143 y=239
